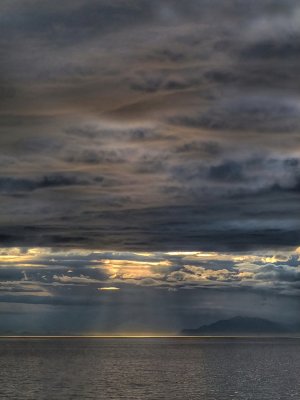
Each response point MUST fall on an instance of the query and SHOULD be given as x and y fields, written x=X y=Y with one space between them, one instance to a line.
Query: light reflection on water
x=185 y=369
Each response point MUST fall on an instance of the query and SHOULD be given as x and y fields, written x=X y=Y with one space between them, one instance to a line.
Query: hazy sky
x=151 y=146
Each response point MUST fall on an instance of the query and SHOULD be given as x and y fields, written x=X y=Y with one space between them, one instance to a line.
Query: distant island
x=240 y=326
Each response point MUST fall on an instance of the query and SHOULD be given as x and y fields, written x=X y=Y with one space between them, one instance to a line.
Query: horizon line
x=146 y=336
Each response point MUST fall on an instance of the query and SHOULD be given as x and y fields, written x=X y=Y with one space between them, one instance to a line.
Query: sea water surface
x=142 y=369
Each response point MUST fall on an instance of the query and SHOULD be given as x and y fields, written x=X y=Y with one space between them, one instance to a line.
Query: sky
x=149 y=164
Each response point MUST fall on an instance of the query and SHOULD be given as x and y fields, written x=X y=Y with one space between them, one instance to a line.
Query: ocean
x=150 y=368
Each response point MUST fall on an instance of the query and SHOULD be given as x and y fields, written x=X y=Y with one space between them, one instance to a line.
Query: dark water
x=185 y=369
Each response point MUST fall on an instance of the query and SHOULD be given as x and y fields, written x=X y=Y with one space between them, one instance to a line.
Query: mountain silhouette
x=239 y=326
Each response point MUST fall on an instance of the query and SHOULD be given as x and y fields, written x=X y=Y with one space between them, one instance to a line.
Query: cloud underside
x=50 y=275
x=150 y=126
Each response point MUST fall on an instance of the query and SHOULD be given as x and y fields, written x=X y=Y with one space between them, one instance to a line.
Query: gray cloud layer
x=157 y=125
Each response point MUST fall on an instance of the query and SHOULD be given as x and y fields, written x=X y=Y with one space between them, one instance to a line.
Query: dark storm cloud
x=229 y=172
x=286 y=48
x=252 y=113
x=159 y=125
x=11 y=185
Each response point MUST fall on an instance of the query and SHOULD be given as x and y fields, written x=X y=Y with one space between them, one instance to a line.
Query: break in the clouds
x=153 y=127
x=81 y=291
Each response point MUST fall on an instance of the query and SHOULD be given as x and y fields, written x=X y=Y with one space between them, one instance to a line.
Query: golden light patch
x=125 y=263
x=18 y=255
x=124 y=269
x=182 y=253
x=113 y=288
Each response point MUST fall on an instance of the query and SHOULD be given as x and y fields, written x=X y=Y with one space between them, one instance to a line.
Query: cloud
x=153 y=147
x=60 y=289
x=156 y=126
x=82 y=279
x=57 y=272
x=228 y=172
x=252 y=113
x=11 y=185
